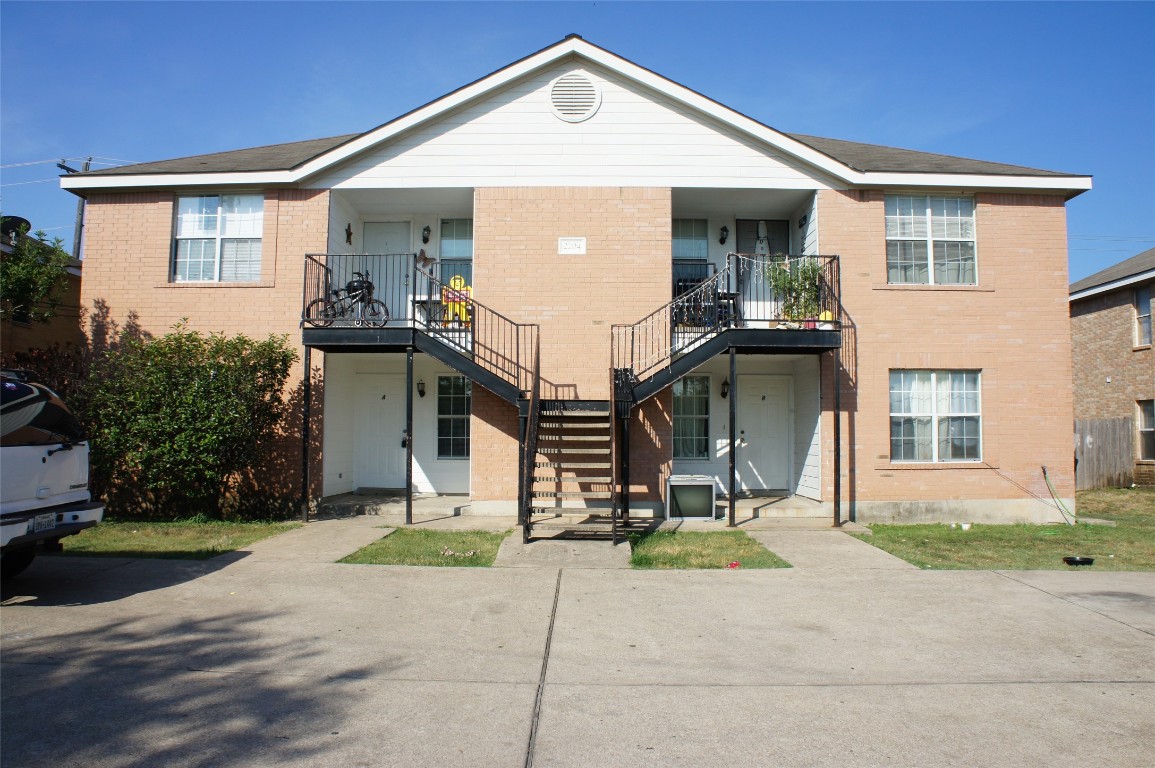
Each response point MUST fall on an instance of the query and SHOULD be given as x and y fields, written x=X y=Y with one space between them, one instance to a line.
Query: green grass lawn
x=1128 y=546
x=700 y=549
x=406 y=546
x=179 y=540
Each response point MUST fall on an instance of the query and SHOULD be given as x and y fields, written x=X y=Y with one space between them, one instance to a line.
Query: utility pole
x=78 y=230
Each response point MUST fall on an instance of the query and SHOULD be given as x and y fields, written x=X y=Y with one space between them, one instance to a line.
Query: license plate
x=44 y=522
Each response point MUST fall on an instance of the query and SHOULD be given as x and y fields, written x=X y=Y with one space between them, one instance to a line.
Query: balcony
x=756 y=302
x=394 y=302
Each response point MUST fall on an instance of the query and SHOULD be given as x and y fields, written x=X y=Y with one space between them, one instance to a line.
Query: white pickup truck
x=44 y=492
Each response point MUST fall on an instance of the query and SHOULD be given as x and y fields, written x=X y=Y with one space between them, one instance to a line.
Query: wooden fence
x=1104 y=455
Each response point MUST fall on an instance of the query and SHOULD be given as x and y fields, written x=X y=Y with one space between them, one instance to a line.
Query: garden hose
x=1068 y=516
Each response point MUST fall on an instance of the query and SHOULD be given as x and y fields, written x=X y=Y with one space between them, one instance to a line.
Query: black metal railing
x=418 y=295
x=750 y=291
x=529 y=448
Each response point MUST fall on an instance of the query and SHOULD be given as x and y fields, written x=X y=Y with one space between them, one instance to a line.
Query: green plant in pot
x=796 y=283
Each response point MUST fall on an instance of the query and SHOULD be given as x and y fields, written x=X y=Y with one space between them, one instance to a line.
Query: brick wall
x=1013 y=327
x=624 y=275
x=127 y=263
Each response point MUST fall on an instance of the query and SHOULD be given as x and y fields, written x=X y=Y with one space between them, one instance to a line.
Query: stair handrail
x=650 y=343
x=481 y=333
x=529 y=450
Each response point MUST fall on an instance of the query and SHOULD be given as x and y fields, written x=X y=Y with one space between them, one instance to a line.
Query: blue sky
x=1059 y=86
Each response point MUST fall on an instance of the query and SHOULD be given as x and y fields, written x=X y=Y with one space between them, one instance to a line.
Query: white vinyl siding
x=692 y=418
x=930 y=240
x=511 y=138
x=218 y=238
x=935 y=416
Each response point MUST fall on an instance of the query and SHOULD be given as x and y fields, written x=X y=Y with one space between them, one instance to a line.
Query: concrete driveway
x=270 y=658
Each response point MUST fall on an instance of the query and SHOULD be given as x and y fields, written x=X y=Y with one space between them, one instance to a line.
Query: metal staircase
x=573 y=471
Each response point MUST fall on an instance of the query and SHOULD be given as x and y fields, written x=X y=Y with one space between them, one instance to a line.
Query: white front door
x=379 y=428
x=763 y=455
x=387 y=237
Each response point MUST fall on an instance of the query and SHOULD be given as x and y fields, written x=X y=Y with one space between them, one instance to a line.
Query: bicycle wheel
x=320 y=313
x=376 y=314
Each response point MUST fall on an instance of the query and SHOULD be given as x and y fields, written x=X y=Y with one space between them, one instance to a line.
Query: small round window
x=574 y=98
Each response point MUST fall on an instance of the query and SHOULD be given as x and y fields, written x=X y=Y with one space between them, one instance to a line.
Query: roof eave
x=1113 y=285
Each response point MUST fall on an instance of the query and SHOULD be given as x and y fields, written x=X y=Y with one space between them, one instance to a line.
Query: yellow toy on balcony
x=456 y=302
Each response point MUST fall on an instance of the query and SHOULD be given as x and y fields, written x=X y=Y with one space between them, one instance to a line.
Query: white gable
x=514 y=137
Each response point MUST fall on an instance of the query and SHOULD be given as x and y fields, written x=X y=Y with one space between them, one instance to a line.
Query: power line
x=42 y=162
x=38 y=181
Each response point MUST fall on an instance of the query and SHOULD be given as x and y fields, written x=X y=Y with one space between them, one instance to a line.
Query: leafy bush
x=173 y=420
x=33 y=278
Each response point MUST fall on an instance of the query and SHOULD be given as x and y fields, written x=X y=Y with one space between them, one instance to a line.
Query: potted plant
x=796 y=285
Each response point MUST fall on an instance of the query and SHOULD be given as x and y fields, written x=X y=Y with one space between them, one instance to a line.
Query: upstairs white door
x=379 y=427
x=389 y=237
x=764 y=433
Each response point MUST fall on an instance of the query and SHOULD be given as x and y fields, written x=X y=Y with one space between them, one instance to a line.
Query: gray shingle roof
x=274 y=157
x=876 y=158
x=1144 y=262
x=862 y=157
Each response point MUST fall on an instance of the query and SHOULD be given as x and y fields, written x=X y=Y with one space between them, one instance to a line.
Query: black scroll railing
x=752 y=291
x=422 y=296
x=529 y=448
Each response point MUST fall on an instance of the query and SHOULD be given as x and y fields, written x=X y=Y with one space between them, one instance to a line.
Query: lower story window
x=935 y=416
x=1147 y=430
x=453 y=406
x=692 y=417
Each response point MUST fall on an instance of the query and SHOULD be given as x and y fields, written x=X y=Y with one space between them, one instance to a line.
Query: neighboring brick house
x=1115 y=364
x=20 y=334
x=635 y=232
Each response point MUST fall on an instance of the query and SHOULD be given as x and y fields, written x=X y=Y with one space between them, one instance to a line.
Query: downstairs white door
x=379 y=429
x=763 y=455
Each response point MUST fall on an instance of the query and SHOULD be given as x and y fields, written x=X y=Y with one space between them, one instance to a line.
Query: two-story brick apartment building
x=879 y=330
x=1115 y=372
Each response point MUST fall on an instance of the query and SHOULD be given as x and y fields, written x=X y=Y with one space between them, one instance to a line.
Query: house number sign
x=571 y=246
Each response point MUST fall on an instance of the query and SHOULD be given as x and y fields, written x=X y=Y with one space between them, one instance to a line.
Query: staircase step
x=576 y=438
x=572 y=465
x=573 y=425
x=571 y=494
x=600 y=480
x=600 y=451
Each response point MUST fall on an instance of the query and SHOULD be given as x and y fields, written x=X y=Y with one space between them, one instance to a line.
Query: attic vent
x=574 y=98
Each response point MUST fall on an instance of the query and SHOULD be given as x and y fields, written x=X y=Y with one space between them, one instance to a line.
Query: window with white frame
x=1147 y=430
x=218 y=238
x=456 y=250
x=935 y=416
x=930 y=240
x=692 y=417
x=454 y=395
x=689 y=239
x=1143 y=315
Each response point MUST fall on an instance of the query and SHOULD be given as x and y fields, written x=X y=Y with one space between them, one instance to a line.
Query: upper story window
x=456 y=250
x=690 y=239
x=930 y=240
x=218 y=238
x=935 y=416
x=1143 y=316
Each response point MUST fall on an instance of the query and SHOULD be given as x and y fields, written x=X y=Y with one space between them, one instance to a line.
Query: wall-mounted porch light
x=421 y=387
x=725 y=388
x=723 y=235
x=425 y=233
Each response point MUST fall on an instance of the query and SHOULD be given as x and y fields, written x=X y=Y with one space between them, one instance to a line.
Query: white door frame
x=371 y=438
x=745 y=380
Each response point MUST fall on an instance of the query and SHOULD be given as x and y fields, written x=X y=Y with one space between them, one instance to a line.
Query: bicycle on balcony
x=352 y=304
